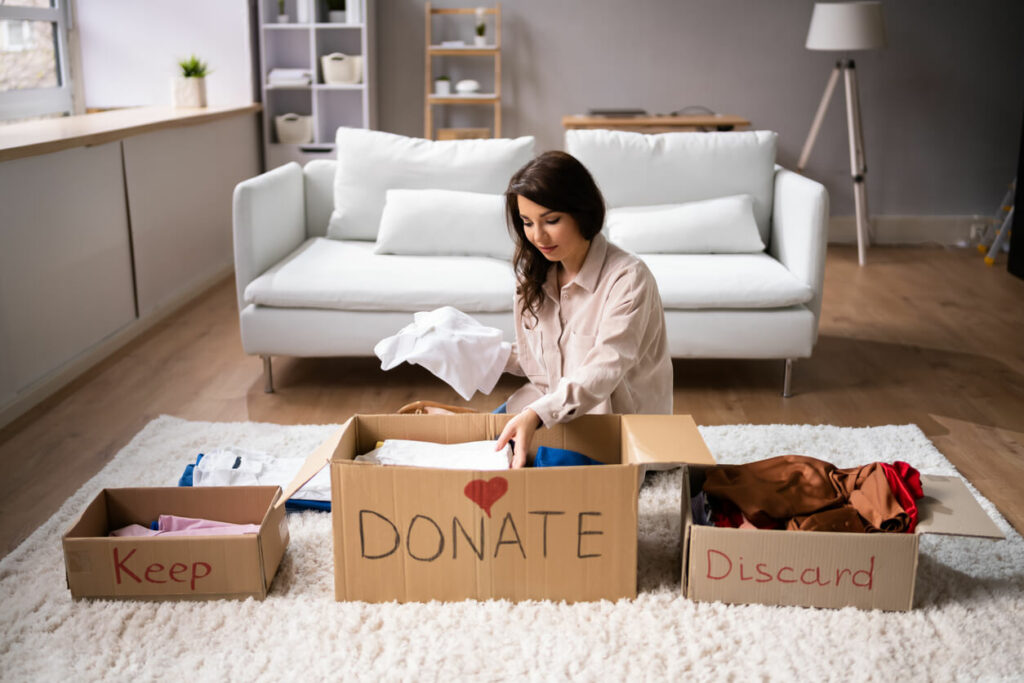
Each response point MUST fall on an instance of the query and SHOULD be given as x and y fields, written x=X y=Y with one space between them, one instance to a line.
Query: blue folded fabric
x=561 y=457
x=291 y=504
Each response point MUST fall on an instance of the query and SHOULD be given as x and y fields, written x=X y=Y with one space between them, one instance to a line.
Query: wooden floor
x=928 y=336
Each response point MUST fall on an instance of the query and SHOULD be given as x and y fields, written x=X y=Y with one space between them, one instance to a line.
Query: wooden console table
x=656 y=124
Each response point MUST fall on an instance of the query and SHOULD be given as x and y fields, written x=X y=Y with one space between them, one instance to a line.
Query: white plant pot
x=480 y=41
x=293 y=129
x=336 y=16
x=442 y=87
x=282 y=18
x=188 y=92
x=342 y=69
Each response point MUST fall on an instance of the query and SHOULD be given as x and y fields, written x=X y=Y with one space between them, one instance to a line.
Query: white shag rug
x=968 y=620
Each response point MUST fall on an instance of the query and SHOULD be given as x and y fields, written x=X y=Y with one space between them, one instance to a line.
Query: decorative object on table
x=845 y=27
x=189 y=87
x=480 y=39
x=282 y=18
x=467 y=86
x=443 y=86
x=336 y=11
x=450 y=51
x=293 y=129
x=340 y=68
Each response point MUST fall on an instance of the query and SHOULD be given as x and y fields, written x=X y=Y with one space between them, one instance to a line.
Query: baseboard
x=944 y=230
x=49 y=384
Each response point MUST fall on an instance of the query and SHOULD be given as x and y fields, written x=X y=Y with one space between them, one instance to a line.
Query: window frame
x=16 y=104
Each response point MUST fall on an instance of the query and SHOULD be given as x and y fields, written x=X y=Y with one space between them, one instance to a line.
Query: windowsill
x=32 y=138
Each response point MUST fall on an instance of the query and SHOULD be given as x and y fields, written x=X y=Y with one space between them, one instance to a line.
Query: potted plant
x=442 y=85
x=336 y=11
x=282 y=18
x=190 y=84
x=480 y=39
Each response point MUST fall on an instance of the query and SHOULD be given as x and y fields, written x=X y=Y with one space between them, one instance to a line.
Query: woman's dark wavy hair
x=556 y=181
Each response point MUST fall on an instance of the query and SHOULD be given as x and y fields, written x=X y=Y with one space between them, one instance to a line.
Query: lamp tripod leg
x=812 y=135
x=858 y=165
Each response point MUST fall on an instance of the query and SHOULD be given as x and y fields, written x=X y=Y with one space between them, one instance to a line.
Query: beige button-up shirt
x=599 y=345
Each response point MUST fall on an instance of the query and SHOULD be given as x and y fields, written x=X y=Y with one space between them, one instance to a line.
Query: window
x=33 y=59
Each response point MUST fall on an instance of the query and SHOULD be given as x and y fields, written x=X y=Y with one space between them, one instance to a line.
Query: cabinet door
x=179 y=184
x=65 y=261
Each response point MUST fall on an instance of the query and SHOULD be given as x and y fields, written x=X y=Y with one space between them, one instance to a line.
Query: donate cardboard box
x=563 y=533
x=176 y=567
x=817 y=568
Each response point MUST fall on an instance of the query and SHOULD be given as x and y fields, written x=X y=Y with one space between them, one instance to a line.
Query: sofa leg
x=268 y=375
x=787 y=382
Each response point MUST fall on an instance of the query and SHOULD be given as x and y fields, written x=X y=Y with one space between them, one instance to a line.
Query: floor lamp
x=846 y=27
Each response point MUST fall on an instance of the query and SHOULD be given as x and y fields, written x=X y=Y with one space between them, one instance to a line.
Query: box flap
x=949 y=508
x=664 y=439
x=314 y=463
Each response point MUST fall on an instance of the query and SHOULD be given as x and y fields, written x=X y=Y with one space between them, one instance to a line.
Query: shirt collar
x=589 y=272
x=592 y=263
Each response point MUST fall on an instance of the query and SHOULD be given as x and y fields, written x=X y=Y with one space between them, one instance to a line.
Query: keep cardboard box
x=560 y=533
x=176 y=567
x=822 y=569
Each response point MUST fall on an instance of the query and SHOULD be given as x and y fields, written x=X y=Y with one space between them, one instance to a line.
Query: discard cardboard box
x=821 y=569
x=159 y=567
x=566 y=533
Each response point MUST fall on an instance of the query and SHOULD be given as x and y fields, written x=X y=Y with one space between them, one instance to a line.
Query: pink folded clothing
x=172 y=525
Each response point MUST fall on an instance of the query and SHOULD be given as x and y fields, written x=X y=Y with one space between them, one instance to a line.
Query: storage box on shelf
x=296 y=51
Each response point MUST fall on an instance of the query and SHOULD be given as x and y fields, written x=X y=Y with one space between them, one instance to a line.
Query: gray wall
x=941 y=105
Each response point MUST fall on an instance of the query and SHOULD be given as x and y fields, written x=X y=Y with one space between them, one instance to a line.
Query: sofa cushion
x=347 y=275
x=634 y=169
x=710 y=226
x=688 y=281
x=444 y=223
x=371 y=162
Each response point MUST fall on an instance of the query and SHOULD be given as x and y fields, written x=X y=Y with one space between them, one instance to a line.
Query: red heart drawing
x=486 y=493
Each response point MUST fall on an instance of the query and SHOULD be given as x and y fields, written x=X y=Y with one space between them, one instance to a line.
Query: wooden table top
x=19 y=140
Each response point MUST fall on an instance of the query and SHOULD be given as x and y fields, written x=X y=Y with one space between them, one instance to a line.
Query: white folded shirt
x=258 y=469
x=469 y=455
x=457 y=349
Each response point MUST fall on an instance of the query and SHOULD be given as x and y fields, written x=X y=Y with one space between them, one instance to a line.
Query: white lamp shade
x=846 y=26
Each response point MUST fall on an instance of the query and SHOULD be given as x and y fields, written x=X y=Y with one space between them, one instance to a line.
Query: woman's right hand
x=519 y=429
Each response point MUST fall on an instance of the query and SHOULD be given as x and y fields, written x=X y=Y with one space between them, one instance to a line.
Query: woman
x=590 y=329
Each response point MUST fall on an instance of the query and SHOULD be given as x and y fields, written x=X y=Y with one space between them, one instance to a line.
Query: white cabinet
x=301 y=46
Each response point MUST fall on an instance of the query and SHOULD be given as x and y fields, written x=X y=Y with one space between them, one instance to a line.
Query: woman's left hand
x=519 y=429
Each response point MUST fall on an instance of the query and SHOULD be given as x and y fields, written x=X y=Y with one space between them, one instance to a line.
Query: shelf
x=482 y=98
x=285 y=27
x=339 y=86
x=289 y=87
x=468 y=50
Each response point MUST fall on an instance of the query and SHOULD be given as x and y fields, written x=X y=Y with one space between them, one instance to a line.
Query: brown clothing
x=799 y=492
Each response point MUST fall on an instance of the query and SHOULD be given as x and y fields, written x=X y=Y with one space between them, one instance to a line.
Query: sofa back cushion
x=444 y=223
x=634 y=169
x=724 y=225
x=371 y=162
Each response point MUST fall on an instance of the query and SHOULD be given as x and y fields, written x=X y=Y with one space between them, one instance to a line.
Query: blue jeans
x=502 y=409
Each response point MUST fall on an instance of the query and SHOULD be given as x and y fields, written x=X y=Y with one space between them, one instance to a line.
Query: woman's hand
x=519 y=429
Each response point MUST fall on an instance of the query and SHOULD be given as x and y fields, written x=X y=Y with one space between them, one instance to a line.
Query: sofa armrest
x=800 y=230
x=269 y=222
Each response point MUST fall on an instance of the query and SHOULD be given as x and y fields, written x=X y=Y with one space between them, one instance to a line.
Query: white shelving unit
x=300 y=46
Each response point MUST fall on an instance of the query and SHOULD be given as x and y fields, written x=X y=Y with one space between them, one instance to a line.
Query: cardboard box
x=566 y=533
x=176 y=567
x=821 y=569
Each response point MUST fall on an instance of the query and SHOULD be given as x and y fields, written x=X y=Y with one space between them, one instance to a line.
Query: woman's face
x=555 y=233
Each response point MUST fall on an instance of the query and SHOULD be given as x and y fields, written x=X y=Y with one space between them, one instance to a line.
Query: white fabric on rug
x=966 y=623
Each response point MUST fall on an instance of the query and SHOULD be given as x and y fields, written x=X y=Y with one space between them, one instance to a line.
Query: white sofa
x=304 y=293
